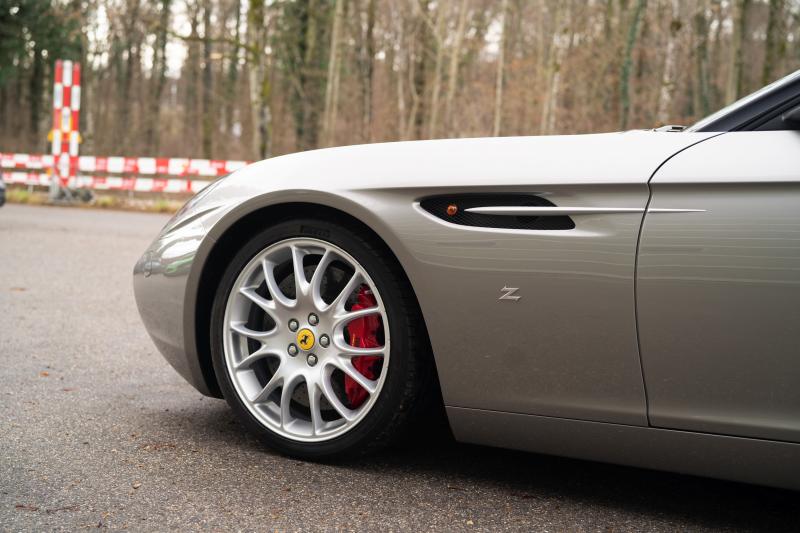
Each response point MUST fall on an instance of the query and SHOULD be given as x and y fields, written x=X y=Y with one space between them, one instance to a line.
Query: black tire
x=410 y=378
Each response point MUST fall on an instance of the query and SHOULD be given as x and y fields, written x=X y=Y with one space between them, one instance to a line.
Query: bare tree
x=775 y=47
x=625 y=75
x=702 y=91
x=248 y=79
x=455 y=59
x=366 y=68
x=208 y=111
x=334 y=70
x=159 y=78
x=499 y=81
x=438 y=33
x=668 y=81
x=736 y=71
x=558 y=47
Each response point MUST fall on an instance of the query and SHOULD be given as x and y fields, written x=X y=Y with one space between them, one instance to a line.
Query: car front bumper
x=164 y=281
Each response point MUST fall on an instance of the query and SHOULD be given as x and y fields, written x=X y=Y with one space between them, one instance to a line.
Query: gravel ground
x=96 y=430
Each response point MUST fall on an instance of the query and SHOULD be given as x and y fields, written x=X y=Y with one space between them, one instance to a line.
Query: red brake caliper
x=363 y=333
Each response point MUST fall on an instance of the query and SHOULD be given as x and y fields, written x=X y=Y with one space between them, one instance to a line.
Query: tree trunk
x=159 y=80
x=419 y=71
x=455 y=59
x=232 y=79
x=668 y=74
x=436 y=86
x=130 y=69
x=557 y=47
x=703 y=106
x=258 y=78
x=192 y=73
x=366 y=67
x=627 y=62
x=35 y=89
x=498 y=84
x=332 y=84
x=775 y=40
x=735 y=72
x=208 y=112
x=403 y=60
x=305 y=22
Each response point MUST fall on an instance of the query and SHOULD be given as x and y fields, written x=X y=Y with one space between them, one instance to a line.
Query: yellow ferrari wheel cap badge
x=305 y=339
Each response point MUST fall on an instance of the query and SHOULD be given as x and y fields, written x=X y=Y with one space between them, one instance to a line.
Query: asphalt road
x=96 y=430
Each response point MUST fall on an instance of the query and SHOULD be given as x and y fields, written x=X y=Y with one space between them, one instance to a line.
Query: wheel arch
x=235 y=235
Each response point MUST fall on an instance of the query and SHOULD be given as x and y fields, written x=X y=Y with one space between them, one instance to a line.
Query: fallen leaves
x=35 y=508
x=25 y=507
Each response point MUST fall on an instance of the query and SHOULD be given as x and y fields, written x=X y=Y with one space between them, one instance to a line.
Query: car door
x=718 y=290
x=529 y=318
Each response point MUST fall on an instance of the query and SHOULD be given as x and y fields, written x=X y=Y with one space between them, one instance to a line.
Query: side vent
x=453 y=209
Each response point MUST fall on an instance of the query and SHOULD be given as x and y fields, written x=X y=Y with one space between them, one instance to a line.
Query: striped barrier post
x=64 y=167
x=65 y=133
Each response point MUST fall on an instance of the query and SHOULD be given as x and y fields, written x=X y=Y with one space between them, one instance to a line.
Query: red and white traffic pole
x=65 y=133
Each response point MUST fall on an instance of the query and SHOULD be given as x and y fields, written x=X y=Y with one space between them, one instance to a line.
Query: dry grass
x=23 y=196
x=119 y=202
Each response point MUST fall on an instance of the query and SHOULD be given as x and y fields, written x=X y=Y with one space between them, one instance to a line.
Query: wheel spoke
x=300 y=282
x=337 y=404
x=286 y=400
x=268 y=306
x=314 y=395
x=338 y=303
x=346 y=366
x=344 y=318
x=319 y=274
x=261 y=336
x=259 y=354
x=272 y=285
x=275 y=381
x=345 y=350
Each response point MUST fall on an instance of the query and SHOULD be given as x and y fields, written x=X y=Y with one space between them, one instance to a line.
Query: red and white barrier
x=111 y=183
x=138 y=174
x=145 y=166
x=62 y=167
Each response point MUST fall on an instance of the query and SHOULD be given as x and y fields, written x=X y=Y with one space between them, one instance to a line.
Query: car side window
x=785 y=118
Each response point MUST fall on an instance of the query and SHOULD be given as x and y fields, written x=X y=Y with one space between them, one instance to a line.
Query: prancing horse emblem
x=509 y=293
x=305 y=339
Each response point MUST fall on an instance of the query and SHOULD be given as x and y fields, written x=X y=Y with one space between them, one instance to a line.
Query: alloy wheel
x=306 y=339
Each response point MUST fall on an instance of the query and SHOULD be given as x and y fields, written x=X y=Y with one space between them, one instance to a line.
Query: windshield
x=746 y=100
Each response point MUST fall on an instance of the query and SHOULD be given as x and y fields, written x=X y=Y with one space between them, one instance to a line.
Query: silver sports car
x=624 y=297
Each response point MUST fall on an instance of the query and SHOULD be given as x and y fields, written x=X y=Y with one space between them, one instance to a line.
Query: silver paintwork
x=719 y=292
x=316 y=369
x=569 y=352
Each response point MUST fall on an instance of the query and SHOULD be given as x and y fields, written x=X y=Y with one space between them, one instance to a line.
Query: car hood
x=627 y=157
x=452 y=165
